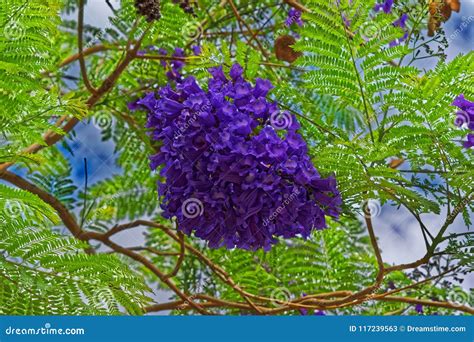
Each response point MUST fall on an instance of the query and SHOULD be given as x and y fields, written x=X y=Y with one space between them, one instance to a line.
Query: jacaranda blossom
x=386 y=6
x=402 y=23
x=465 y=116
x=236 y=171
x=294 y=16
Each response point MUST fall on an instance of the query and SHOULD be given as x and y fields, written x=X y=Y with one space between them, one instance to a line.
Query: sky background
x=398 y=232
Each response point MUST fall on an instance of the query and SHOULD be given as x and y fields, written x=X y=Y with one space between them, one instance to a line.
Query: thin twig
x=82 y=63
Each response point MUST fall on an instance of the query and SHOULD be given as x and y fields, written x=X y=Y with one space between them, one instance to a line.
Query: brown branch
x=373 y=241
x=148 y=264
x=70 y=222
x=86 y=52
x=153 y=251
x=437 y=240
x=411 y=286
x=217 y=269
x=51 y=137
x=425 y=302
x=249 y=29
x=82 y=63
x=181 y=305
x=295 y=4
x=182 y=251
x=67 y=218
x=121 y=227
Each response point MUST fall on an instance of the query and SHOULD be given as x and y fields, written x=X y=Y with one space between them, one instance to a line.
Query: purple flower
x=294 y=16
x=227 y=176
x=320 y=313
x=465 y=117
x=470 y=141
x=196 y=50
x=303 y=311
x=402 y=23
x=386 y=6
x=419 y=308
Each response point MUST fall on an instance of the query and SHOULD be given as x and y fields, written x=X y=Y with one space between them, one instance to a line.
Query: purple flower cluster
x=294 y=16
x=237 y=173
x=465 y=116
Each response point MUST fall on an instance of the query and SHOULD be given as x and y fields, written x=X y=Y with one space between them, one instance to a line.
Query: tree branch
x=82 y=63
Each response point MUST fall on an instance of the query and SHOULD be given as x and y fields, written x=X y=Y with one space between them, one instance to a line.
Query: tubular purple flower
x=249 y=182
x=386 y=6
x=294 y=16
x=465 y=117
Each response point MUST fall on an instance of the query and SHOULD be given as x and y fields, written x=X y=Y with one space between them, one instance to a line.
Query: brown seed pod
x=149 y=9
x=283 y=49
x=394 y=163
x=440 y=11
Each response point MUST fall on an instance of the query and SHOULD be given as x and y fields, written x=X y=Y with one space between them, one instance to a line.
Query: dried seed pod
x=186 y=6
x=440 y=11
x=149 y=9
x=395 y=163
x=283 y=49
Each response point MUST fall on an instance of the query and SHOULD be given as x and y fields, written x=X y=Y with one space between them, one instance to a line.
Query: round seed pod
x=283 y=49
x=149 y=9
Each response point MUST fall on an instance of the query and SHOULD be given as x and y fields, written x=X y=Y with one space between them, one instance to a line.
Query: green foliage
x=43 y=272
